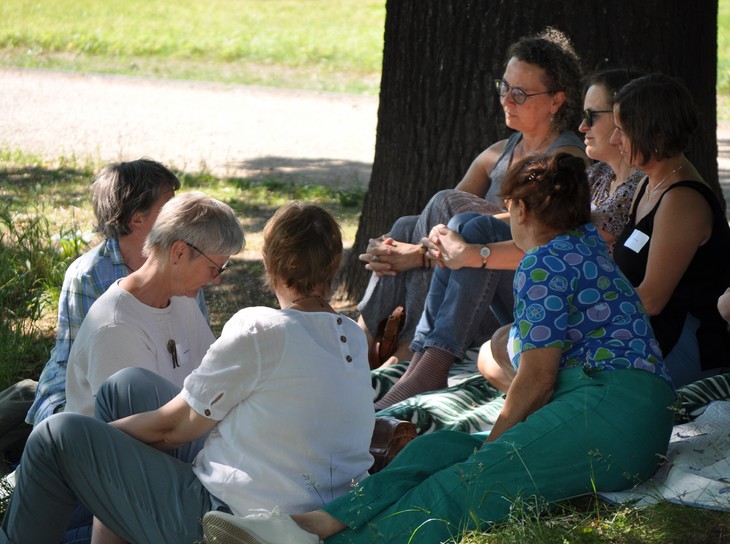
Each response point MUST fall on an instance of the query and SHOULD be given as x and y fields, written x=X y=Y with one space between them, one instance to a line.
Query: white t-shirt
x=293 y=395
x=120 y=331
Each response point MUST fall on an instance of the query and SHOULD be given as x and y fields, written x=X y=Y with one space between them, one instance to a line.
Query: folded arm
x=168 y=427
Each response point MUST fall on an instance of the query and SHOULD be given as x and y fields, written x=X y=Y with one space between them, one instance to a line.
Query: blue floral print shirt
x=571 y=294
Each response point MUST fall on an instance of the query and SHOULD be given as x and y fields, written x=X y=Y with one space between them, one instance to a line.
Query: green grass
x=723 y=55
x=46 y=221
x=333 y=45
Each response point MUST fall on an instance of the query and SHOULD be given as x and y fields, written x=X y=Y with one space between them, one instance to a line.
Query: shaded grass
x=589 y=520
x=46 y=221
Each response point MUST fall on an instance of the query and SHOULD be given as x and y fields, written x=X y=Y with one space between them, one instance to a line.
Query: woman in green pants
x=589 y=407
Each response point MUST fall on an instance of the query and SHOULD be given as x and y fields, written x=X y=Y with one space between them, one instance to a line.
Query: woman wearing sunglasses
x=613 y=181
x=540 y=95
x=480 y=260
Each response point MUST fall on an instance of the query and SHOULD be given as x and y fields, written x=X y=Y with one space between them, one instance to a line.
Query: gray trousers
x=142 y=494
x=15 y=401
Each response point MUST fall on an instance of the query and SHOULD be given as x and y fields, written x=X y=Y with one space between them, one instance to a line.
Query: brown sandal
x=385 y=342
x=389 y=437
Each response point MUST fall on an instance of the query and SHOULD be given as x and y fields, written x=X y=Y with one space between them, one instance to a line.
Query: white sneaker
x=264 y=528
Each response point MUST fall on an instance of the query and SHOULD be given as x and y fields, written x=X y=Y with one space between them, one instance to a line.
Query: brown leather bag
x=390 y=435
x=385 y=341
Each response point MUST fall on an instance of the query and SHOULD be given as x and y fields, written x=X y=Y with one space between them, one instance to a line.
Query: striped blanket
x=471 y=405
x=697 y=467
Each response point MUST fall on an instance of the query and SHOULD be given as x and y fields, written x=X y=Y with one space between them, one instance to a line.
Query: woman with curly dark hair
x=540 y=93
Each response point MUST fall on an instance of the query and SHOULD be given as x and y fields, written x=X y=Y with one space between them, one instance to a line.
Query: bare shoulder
x=685 y=211
x=477 y=178
x=489 y=156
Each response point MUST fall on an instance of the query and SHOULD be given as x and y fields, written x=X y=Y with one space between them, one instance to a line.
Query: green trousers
x=601 y=431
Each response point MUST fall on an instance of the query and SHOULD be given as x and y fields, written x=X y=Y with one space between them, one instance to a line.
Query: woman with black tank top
x=675 y=248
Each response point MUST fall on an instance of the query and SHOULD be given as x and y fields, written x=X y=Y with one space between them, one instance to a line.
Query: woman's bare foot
x=320 y=523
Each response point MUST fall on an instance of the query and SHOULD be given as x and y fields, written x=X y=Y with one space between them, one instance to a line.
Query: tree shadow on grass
x=335 y=173
x=30 y=182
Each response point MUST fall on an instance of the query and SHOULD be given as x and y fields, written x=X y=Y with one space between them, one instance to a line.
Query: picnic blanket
x=470 y=404
x=696 y=471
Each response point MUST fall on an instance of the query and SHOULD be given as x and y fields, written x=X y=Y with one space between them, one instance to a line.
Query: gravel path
x=225 y=129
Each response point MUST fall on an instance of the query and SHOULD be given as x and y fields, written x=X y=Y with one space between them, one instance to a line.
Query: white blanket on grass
x=697 y=470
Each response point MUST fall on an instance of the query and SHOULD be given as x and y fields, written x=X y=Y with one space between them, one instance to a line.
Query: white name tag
x=636 y=241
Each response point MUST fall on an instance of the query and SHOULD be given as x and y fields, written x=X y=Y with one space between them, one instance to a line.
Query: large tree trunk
x=438 y=107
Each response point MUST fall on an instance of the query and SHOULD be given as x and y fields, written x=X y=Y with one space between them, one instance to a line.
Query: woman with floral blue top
x=589 y=407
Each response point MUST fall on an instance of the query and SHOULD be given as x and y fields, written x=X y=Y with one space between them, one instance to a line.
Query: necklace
x=318 y=298
x=650 y=190
x=534 y=150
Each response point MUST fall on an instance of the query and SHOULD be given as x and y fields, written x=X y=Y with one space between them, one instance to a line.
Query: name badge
x=636 y=241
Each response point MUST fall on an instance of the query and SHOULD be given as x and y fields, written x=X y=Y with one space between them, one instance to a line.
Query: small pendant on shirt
x=172 y=349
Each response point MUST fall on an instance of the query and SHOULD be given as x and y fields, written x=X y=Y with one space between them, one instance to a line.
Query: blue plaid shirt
x=85 y=280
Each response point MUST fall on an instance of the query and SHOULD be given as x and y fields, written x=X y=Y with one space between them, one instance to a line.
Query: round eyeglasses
x=589 y=115
x=219 y=269
x=517 y=94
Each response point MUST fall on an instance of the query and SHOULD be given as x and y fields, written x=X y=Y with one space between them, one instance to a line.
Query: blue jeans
x=410 y=288
x=140 y=493
x=462 y=305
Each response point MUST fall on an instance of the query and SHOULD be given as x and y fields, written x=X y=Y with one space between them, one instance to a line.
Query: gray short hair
x=124 y=188
x=207 y=223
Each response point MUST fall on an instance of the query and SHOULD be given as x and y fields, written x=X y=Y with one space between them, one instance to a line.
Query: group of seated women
x=597 y=288
x=594 y=264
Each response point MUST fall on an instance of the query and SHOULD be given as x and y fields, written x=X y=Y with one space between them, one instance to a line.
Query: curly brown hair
x=553 y=51
x=554 y=189
x=302 y=249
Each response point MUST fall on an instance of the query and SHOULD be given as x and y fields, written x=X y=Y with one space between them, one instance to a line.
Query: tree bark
x=438 y=108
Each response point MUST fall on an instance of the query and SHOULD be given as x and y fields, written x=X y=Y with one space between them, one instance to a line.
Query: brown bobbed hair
x=554 y=189
x=659 y=116
x=302 y=249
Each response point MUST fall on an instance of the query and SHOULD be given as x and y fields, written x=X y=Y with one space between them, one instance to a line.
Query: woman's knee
x=460 y=219
x=130 y=391
x=485 y=229
x=57 y=429
x=403 y=228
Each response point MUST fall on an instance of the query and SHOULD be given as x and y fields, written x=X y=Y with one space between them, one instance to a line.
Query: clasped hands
x=385 y=256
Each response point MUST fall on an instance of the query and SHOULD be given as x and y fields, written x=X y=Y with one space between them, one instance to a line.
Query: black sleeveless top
x=706 y=278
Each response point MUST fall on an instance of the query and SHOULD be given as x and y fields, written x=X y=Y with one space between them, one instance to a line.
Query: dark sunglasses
x=220 y=269
x=589 y=114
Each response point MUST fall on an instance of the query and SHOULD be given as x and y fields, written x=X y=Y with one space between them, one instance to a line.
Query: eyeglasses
x=219 y=269
x=588 y=115
x=518 y=95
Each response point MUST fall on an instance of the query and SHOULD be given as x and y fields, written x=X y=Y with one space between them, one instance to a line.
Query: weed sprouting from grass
x=31 y=273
